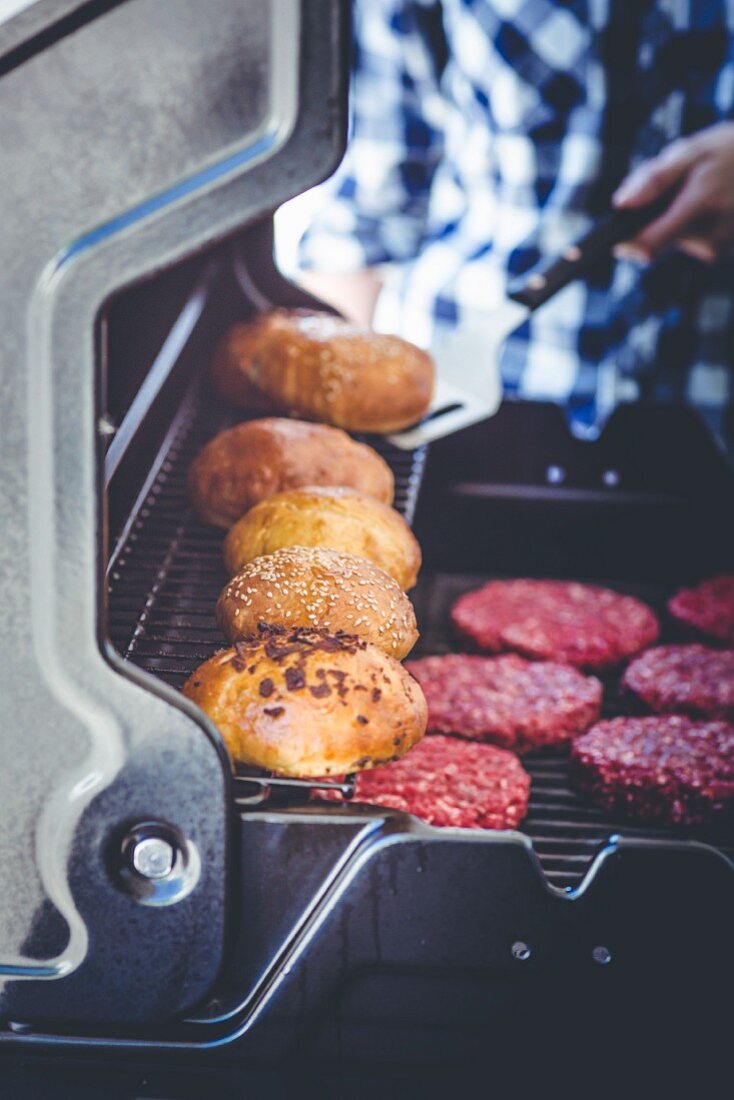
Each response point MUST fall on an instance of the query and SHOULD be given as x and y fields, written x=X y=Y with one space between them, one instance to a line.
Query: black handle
x=544 y=281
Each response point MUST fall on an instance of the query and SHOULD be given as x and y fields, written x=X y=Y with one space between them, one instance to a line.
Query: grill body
x=357 y=937
x=361 y=936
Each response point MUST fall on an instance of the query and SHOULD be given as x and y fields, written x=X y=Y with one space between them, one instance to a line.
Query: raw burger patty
x=445 y=781
x=578 y=624
x=692 y=679
x=512 y=702
x=666 y=768
x=709 y=607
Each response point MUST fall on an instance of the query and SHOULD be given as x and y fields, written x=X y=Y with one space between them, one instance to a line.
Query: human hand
x=700 y=218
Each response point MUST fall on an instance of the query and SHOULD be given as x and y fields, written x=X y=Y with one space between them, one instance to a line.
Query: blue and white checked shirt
x=486 y=135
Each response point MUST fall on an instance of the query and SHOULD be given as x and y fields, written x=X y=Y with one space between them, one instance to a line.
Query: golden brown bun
x=318 y=589
x=306 y=703
x=322 y=367
x=229 y=381
x=342 y=519
x=257 y=459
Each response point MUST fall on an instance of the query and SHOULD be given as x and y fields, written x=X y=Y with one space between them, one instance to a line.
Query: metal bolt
x=611 y=478
x=601 y=955
x=520 y=951
x=153 y=857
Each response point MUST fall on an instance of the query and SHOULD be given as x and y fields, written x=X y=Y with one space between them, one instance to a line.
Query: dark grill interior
x=166 y=575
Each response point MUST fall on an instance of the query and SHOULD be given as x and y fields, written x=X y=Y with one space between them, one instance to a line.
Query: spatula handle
x=547 y=279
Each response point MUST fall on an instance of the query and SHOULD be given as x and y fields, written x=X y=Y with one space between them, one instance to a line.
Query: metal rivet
x=520 y=951
x=573 y=254
x=537 y=282
x=153 y=857
x=555 y=475
x=611 y=478
x=601 y=955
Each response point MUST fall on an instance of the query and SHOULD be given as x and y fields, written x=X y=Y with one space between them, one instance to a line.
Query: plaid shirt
x=488 y=134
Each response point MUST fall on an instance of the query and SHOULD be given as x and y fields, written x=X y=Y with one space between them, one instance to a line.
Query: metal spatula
x=467 y=383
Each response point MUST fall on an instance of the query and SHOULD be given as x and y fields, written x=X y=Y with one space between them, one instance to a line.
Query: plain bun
x=321 y=367
x=255 y=460
x=339 y=518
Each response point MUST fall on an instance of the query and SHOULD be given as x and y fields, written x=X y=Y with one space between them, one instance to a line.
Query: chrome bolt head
x=155 y=863
x=153 y=857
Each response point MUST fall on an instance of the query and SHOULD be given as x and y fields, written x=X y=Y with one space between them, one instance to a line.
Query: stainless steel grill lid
x=132 y=135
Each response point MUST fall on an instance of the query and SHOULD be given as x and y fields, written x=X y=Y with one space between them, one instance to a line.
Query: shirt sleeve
x=375 y=206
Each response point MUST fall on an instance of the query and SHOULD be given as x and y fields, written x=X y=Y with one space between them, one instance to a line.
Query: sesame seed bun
x=255 y=460
x=307 y=703
x=342 y=519
x=321 y=367
x=322 y=589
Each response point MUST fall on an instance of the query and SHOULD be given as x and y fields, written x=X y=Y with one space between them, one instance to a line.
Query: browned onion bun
x=324 y=368
x=342 y=519
x=308 y=703
x=316 y=588
x=257 y=459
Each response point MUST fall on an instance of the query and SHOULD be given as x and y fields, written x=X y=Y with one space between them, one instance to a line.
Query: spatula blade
x=468 y=387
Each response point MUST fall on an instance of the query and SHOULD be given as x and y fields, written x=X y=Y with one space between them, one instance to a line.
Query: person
x=486 y=135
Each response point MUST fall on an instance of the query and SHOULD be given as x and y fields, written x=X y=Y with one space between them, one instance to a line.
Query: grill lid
x=138 y=135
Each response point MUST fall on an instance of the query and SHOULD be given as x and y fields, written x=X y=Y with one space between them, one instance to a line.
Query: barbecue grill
x=157 y=915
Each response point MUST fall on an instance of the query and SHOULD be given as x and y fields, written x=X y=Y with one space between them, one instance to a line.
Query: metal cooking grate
x=167 y=572
x=165 y=579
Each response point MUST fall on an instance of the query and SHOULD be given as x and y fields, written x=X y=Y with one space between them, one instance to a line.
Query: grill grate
x=166 y=575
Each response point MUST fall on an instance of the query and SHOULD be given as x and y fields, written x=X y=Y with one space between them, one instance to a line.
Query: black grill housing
x=358 y=937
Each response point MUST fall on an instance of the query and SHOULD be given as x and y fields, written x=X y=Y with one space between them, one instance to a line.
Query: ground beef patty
x=692 y=679
x=666 y=768
x=578 y=624
x=708 y=608
x=445 y=781
x=519 y=704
